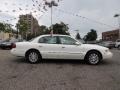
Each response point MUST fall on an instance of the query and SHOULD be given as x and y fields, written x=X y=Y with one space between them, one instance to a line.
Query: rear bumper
x=17 y=52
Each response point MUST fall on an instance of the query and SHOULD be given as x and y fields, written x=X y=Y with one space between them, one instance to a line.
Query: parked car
x=117 y=44
x=1 y=41
x=108 y=44
x=59 y=47
x=7 y=44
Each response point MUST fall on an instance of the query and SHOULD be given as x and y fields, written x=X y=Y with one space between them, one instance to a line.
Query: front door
x=69 y=48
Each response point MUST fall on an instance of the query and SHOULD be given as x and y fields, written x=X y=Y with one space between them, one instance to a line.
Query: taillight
x=13 y=45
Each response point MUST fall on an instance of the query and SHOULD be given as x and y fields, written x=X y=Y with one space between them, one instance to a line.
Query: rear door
x=48 y=46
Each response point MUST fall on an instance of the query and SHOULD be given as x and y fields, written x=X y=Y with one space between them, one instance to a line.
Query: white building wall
x=4 y=36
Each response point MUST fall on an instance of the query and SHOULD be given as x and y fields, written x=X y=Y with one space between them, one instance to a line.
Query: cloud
x=96 y=10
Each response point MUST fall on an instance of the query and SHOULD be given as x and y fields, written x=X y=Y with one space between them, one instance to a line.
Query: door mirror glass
x=77 y=43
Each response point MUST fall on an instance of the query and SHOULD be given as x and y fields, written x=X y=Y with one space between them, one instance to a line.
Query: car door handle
x=63 y=47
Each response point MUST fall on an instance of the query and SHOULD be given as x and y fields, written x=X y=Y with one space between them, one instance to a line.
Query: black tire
x=93 y=58
x=119 y=47
x=110 y=47
x=35 y=58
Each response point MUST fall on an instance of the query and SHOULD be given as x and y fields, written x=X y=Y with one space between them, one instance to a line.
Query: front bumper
x=107 y=55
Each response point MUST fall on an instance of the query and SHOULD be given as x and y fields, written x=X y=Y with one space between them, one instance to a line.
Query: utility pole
x=50 y=5
x=17 y=27
x=77 y=34
x=118 y=16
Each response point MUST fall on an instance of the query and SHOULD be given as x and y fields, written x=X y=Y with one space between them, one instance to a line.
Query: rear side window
x=48 y=40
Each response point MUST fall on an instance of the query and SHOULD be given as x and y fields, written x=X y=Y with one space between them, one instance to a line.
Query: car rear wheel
x=93 y=58
x=33 y=56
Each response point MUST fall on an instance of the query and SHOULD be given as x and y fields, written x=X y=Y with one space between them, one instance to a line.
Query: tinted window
x=67 y=40
x=48 y=40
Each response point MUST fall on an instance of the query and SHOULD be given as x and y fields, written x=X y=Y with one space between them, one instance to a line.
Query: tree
x=43 y=29
x=2 y=27
x=8 y=28
x=78 y=36
x=22 y=26
x=91 y=36
x=61 y=28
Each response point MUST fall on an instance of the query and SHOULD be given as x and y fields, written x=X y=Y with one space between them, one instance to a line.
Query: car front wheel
x=33 y=56
x=119 y=47
x=93 y=58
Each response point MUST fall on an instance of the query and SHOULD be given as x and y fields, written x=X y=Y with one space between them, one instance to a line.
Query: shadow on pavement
x=60 y=61
x=51 y=61
x=20 y=60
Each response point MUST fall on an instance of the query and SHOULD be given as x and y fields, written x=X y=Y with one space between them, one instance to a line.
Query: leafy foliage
x=8 y=28
x=60 y=28
x=2 y=27
x=91 y=36
x=78 y=36
x=22 y=26
x=43 y=30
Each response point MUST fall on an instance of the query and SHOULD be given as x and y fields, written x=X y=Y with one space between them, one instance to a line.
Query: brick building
x=32 y=22
x=111 y=35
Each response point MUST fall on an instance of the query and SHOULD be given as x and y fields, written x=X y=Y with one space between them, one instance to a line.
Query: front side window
x=48 y=40
x=67 y=40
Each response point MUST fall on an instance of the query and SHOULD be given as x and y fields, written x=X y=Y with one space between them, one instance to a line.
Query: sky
x=81 y=15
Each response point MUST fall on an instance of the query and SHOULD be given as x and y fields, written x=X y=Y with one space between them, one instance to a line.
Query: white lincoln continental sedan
x=60 y=47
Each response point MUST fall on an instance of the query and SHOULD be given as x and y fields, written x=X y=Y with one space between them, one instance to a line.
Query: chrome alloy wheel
x=33 y=57
x=93 y=58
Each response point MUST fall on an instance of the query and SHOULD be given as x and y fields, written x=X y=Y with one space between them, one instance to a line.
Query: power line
x=70 y=13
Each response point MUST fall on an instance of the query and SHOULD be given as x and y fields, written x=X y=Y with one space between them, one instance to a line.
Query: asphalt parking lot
x=17 y=74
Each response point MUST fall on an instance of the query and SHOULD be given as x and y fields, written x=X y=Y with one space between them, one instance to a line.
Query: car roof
x=53 y=35
x=37 y=38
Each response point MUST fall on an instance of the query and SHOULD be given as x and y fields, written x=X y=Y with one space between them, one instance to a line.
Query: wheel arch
x=93 y=50
x=33 y=49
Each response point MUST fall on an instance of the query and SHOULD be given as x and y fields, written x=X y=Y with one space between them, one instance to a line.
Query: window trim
x=66 y=44
x=57 y=40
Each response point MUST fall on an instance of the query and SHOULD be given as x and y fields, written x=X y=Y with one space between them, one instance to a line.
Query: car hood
x=93 y=46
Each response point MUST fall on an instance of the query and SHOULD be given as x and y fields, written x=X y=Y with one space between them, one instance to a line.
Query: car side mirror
x=77 y=43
